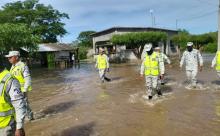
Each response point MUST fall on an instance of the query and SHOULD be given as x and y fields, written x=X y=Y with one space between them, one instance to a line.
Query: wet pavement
x=73 y=102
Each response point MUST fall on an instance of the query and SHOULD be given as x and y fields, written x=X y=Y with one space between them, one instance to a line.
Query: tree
x=137 y=41
x=84 y=42
x=44 y=21
x=15 y=36
x=200 y=40
x=85 y=38
x=181 y=39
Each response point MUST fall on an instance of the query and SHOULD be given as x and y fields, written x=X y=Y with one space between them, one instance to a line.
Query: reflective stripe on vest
x=17 y=72
x=7 y=113
x=102 y=62
x=2 y=84
x=151 y=65
x=6 y=109
x=217 y=61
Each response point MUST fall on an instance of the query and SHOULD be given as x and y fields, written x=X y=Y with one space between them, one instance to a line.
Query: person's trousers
x=8 y=131
x=29 y=112
x=151 y=84
x=102 y=73
x=191 y=76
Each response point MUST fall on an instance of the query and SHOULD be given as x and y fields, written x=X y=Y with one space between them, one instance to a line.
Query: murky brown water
x=73 y=102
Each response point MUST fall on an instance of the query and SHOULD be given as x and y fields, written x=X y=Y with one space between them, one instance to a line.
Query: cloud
x=102 y=14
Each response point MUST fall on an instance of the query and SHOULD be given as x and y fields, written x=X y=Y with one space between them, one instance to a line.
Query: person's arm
x=182 y=60
x=18 y=102
x=213 y=62
x=200 y=59
x=160 y=65
x=143 y=54
x=27 y=78
x=166 y=58
x=107 y=61
x=142 y=68
x=96 y=61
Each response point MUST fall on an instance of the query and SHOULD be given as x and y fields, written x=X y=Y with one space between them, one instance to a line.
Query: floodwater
x=73 y=102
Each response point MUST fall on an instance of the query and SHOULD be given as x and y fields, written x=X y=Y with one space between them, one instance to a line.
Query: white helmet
x=148 y=46
x=189 y=43
x=12 y=53
x=157 y=48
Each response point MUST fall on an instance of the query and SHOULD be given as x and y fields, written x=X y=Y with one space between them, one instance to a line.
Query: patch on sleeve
x=26 y=72
x=18 y=94
x=15 y=91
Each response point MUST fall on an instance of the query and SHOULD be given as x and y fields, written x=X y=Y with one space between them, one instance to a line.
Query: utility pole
x=152 y=17
x=154 y=21
x=176 y=24
x=219 y=26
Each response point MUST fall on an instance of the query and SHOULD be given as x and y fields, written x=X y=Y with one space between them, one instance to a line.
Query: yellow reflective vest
x=151 y=64
x=6 y=109
x=102 y=61
x=217 y=61
x=17 y=72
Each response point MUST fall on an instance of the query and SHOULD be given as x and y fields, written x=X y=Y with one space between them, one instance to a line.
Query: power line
x=198 y=16
x=194 y=17
x=207 y=2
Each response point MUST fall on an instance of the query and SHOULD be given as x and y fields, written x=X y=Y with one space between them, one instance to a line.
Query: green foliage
x=85 y=38
x=135 y=40
x=84 y=42
x=138 y=40
x=201 y=40
x=44 y=21
x=183 y=31
x=181 y=39
x=14 y=36
x=51 y=60
x=83 y=52
x=210 y=48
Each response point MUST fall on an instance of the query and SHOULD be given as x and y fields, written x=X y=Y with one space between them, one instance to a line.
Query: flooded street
x=73 y=102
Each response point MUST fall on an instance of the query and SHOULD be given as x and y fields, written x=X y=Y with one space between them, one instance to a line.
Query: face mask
x=150 y=52
x=189 y=48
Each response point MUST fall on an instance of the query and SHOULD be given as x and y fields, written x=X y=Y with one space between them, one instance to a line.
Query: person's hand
x=25 y=93
x=200 y=68
x=19 y=132
x=161 y=76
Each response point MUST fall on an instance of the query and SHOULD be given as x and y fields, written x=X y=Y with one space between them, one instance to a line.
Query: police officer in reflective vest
x=21 y=72
x=102 y=64
x=12 y=105
x=150 y=67
x=216 y=63
x=162 y=57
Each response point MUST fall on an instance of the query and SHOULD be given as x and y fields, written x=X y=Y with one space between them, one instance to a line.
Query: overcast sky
x=196 y=16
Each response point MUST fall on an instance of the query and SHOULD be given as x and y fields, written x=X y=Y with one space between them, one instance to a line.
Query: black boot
x=150 y=97
x=159 y=93
x=107 y=79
